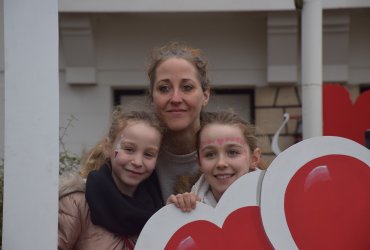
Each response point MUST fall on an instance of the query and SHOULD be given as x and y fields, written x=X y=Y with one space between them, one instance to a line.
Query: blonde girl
x=108 y=209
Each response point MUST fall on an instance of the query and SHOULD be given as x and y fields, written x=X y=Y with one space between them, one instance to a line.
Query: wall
x=122 y=42
x=2 y=83
x=113 y=47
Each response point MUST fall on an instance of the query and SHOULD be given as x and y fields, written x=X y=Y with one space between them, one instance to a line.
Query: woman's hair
x=181 y=51
x=99 y=154
x=231 y=118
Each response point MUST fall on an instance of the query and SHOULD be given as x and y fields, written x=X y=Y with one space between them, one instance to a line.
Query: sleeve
x=70 y=219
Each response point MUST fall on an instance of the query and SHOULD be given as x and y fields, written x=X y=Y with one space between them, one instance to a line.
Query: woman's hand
x=186 y=201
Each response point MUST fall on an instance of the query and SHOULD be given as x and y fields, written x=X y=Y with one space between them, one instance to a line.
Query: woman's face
x=178 y=96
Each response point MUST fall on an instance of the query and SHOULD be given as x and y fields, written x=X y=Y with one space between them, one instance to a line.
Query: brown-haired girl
x=227 y=149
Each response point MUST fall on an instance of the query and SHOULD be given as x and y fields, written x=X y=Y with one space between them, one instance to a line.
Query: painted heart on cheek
x=327 y=204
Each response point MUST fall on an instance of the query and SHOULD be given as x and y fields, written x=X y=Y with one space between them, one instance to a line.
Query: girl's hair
x=99 y=154
x=231 y=118
x=181 y=51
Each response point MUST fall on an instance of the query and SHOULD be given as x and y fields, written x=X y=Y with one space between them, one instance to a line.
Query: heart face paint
x=221 y=141
x=119 y=146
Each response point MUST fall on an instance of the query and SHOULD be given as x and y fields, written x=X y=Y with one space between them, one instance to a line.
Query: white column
x=312 y=68
x=31 y=124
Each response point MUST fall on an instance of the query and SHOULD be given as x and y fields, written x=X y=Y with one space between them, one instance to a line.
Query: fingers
x=171 y=199
x=186 y=201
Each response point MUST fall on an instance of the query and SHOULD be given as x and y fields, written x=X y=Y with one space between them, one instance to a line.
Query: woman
x=179 y=90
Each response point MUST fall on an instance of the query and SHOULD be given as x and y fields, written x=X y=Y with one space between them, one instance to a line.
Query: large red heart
x=242 y=230
x=341 y=117
x=327 y=204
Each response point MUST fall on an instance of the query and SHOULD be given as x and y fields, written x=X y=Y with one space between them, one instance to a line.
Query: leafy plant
x=68 y=161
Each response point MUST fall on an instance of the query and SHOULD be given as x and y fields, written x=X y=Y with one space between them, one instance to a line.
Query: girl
x=120 y=194
x=227 y=149
x=179 y=90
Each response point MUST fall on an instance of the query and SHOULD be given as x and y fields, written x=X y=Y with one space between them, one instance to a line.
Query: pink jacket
x=75 y=229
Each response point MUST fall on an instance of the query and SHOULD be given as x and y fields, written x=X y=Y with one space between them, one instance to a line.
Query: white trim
x=31 y=125
x=195 y=5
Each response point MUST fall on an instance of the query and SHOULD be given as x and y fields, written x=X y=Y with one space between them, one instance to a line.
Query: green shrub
x=68 y=161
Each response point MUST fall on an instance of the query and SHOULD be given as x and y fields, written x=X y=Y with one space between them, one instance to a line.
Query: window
x=241 y=101
x=130 y=99
x=364 y=87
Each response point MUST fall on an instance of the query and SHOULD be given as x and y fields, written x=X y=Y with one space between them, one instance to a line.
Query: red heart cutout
x=242 y=230
x=341 y=117
x=327 y=204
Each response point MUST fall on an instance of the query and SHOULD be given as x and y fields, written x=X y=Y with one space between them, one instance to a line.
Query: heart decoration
x=343 y=118
x=242 y=230
x=225 y=225
x=327 y=204
x=314 y=195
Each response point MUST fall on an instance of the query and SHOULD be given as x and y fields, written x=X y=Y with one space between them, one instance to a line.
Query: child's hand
x=186 y=201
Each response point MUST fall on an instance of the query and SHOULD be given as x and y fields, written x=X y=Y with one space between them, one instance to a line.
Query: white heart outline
x=172 y=218
x=283 y=168
x=266 y=185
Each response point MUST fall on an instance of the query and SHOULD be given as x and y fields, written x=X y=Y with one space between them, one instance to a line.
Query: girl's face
x=224 y=156
x=134 y=155
x=178 y=96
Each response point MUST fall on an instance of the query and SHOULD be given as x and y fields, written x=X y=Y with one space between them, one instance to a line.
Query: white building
x=253 y=48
